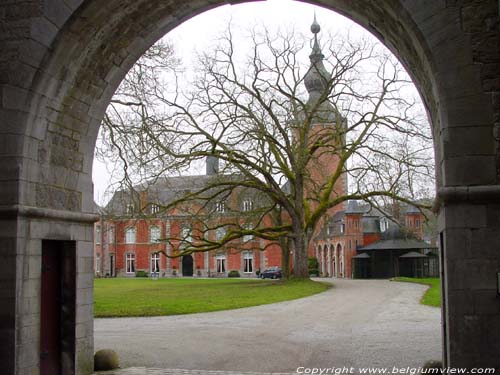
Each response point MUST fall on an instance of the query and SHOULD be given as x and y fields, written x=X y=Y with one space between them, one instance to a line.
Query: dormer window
x=384 y=224
x=130 y=209
x=220 y=206
x=247 y=205
x=155 y=208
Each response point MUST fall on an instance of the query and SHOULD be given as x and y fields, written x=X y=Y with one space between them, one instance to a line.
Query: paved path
x=358 y=323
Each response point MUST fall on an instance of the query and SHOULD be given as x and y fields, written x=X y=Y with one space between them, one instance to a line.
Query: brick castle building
x=131 y=234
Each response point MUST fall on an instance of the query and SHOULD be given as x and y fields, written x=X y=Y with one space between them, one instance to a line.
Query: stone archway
x=62 y=61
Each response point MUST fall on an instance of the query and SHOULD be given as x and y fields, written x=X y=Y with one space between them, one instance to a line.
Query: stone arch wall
x=61 y=62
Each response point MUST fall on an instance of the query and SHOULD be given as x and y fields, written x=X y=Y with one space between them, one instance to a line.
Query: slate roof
x=397 y=244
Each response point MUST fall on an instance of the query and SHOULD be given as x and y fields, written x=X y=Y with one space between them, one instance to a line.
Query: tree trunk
x=300 y=266
x=285 y=257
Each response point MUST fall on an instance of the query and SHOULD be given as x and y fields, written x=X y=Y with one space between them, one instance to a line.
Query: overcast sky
x=197 y=34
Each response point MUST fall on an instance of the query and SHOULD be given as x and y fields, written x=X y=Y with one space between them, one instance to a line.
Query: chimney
x=212 y=165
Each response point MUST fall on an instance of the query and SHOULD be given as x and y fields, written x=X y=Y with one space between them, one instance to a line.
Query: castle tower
x=326 y=125
x=326 y=129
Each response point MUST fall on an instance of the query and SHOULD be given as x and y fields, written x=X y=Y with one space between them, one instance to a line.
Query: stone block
x=85 y=280
x=486 y=302
x=469 y=170
x=14 y=98
x=470 y=216
x=464 y=141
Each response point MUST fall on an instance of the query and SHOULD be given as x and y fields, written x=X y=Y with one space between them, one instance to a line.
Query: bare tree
x=291 y=131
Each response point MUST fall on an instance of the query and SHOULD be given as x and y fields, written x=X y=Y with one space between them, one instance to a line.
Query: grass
x=120 y=297
x=432 y=296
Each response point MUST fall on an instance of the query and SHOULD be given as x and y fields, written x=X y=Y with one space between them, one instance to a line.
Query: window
x=342 y=228
x=220 y=233
x=248 y=237
x=130 y=209
x=130 y=263
x=111 y=234
x=155 y=263
x=384 y=224
x=220 y=263
x=98 y=234
x=220 y=206
x=154 y=234
x=417 y=223
x=130 y=235
x=98 y=263
x=247 y=205
x=186 y=234
x=247 y=261
x=155 y=208
x=356 y=224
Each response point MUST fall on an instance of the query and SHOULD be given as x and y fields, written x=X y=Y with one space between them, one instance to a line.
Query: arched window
x=154 y=234
x=220 y=233
x=98 y=234
x=130 y=235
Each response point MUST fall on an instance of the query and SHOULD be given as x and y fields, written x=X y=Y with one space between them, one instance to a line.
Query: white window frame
x=220 y=206
x=154 y=263
x=248 y=259
x=154 y=234
x=130 y=235
x=220 y=232
x=98 y=234
x=247 y=205
x=130 y=263
x=98 y=263
x=220 y=263
x=111 y=234
x=155 y=208
x=130 y=209
x=248 y=237
x=187 y=233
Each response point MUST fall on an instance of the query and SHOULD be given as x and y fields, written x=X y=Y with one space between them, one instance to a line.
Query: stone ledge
x=472 y=194
x=47 y=213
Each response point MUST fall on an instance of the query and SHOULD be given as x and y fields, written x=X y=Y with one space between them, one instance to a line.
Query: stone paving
x=357 y=323
x=157 y=371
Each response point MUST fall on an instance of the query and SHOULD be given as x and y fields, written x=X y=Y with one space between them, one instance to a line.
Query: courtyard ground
x=358 y=323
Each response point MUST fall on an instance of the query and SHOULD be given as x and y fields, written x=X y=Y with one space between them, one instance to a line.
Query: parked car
x=271 y=273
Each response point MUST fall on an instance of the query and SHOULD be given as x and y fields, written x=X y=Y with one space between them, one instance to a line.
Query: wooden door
x=50 y=319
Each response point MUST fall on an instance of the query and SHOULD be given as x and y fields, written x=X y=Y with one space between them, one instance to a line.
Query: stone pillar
x=470 y=257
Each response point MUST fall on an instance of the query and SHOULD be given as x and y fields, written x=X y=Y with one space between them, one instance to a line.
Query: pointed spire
x=317 y=76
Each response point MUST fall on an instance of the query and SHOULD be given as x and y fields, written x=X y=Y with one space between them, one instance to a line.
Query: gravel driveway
x=357 y=323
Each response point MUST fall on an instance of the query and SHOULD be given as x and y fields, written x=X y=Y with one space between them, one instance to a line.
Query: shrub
x=313 y=266
x=233 y=273
x=141 y=274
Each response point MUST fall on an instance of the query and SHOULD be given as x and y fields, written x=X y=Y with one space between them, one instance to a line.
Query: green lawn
x=146 y=297
x=432 y=296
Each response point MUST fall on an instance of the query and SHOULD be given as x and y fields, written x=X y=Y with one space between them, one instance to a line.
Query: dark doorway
x=57 y=315
x=187 y=265
x=111 y=265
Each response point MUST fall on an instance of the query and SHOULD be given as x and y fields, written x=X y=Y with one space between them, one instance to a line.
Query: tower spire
x=317 y=77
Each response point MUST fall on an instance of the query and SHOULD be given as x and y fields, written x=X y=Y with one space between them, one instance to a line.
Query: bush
x=233 y=273
x=141 y=274
x=313 y=266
